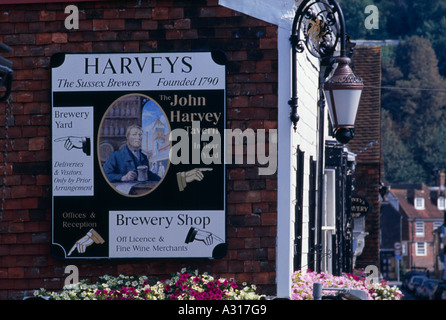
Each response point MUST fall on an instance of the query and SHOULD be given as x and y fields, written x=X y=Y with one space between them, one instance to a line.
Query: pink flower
x=218 y=291
x=184 y=276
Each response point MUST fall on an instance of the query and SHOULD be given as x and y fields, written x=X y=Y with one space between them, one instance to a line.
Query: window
x=419 y=229
x=420 y=249
x=441 y=204
x=437 y=224
x=419 y=203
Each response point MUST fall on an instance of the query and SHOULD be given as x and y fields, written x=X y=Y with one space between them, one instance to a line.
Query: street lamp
x=319 y=27
x=322 y=25
x=343 y=92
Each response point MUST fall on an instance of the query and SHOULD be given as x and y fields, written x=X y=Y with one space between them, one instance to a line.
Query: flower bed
x=186 y=285
x=181 y=286
x=303 y=286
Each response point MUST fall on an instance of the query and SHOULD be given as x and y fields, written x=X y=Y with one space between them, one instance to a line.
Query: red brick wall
x=412 y=260
x=35 y=32
x=367 y=146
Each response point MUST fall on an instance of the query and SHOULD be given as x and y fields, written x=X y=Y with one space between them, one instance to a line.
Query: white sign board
x=137 y=145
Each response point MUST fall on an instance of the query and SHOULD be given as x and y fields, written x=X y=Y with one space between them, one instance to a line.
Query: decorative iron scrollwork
x=344 y=74
x=318 y=34
x=317 y=24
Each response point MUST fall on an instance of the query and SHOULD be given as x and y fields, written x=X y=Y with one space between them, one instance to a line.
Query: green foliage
x=355 y=15
x=400 y=165
x=416 y=107
x=400 y=19
x=414 y=88
x=393 y=19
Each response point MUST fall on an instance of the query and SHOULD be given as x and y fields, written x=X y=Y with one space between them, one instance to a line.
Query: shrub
x=302 y=285
x=183 y=285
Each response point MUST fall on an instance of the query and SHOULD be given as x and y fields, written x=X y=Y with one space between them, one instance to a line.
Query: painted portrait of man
x=122 y=165
x=133 y=146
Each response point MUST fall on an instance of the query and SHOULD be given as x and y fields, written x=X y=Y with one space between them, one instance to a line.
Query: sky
x=150 y=113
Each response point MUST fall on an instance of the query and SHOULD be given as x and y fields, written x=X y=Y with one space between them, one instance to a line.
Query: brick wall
x=367 y=146
x=420 y=261
x=367 y=180
x=35 y=32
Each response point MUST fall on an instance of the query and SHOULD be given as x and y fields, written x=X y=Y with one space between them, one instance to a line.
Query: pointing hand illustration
x=183 y=178
x=73 y=142
x=91 y=237
x=201 y=235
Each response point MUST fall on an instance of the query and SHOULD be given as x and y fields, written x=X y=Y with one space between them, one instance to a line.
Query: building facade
x=391 y=237
x=439 y=252
x=367 y=146
x=269 y=218
x=422 y=211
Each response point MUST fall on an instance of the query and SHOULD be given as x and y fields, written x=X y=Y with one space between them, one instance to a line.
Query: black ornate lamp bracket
x=318 y=26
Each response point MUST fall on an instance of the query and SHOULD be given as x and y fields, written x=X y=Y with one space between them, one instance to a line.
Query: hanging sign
x=360 y=207
x=137 y=155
